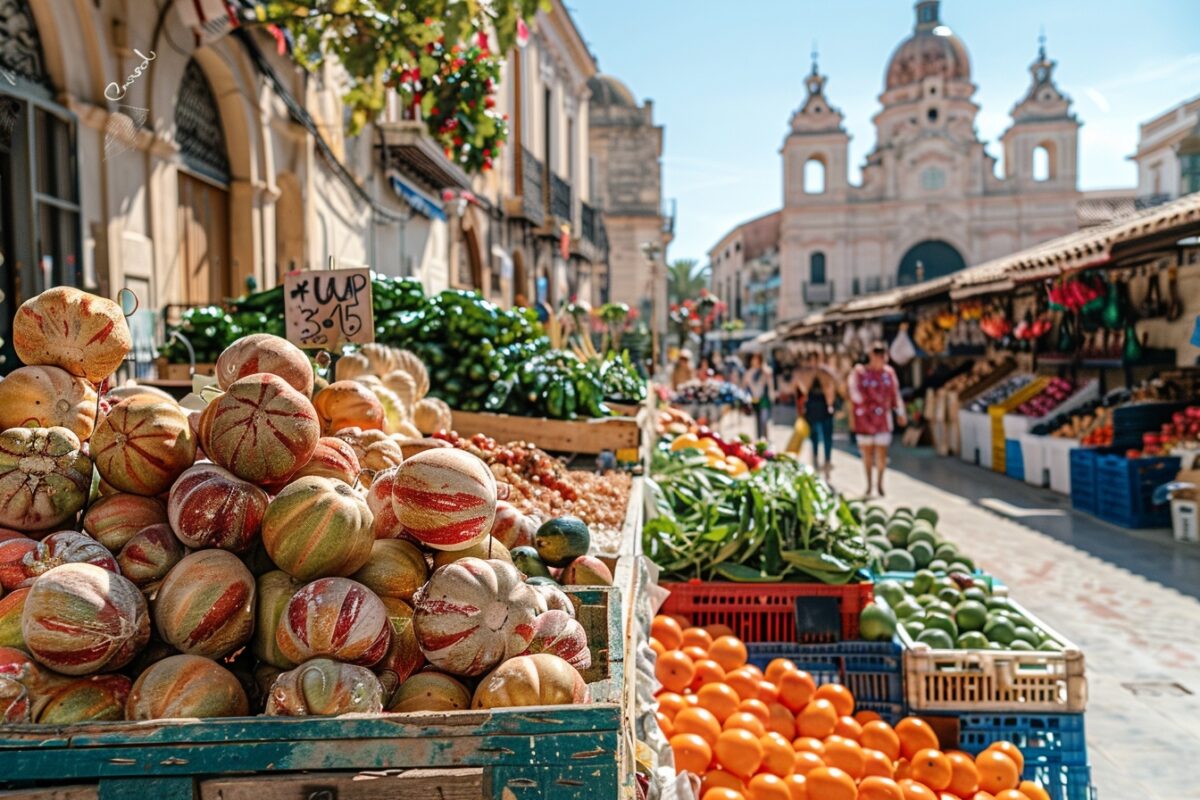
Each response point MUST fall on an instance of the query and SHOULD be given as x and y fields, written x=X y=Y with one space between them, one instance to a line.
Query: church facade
x=931 y=200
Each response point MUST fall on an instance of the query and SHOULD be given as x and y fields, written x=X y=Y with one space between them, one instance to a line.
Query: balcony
x=588 y=217
x=533 y=188
x=818 y=294
x=668 y=217
x=560 y=199
x=408 y=144
x=1150 y=200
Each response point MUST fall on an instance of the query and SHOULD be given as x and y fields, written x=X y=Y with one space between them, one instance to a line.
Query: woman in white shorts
x=875 y=395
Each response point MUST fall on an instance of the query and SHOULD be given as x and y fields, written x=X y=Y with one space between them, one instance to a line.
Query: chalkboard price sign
x=328 y=308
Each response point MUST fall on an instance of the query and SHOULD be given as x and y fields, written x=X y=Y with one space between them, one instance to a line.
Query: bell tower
x=1041 y=146
x=816 y=150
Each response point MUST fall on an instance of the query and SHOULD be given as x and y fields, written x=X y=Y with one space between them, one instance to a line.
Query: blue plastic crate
x=1014 y=461
x=1125 y=489
x=1083 y=479
x=872 y=671
x=1063 y=781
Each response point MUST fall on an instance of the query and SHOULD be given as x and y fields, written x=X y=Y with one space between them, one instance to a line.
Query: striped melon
x=262 y=352
x=395 y=569
x=333 y=458
x=535 y=680
x=205 y=606
x=42 y=397
x=557 y=632
x=334 y=618
x=99 y=698
x=44 y=478
x=430 y=691
x=150 y=555
x=185 y=686
x=275 y=590
x=114 y=519
x=323 y=687
x=316 y=528
x=142 y=445
x=211 y=507
x=20 y=564
x=84 y=334
x=445 y=498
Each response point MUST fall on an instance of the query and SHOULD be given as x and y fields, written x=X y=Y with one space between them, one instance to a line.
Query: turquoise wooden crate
x=569 y=752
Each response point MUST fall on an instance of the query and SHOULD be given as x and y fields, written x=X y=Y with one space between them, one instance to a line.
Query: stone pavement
x=1141 y=639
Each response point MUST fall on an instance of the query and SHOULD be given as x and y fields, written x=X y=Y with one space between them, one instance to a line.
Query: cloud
x=1097 y=97
x=1155 y=71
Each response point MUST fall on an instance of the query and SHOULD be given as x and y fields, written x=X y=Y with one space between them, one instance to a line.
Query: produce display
x=1074 y=424
x=999 y=393
x=1054 y=394
x=1183 y=431
x=775 y=522
x=710 y=392
x=774 y=734
x=282 y=551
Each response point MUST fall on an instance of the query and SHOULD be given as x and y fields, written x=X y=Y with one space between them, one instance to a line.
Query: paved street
x=1129 y=600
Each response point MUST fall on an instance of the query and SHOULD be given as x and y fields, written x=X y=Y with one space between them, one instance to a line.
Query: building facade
x=747 y=273
x=625 y=151
x=1168 y=154
x=931 y=199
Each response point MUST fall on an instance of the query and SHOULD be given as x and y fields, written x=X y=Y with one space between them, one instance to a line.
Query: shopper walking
x=820 y=397
x=683 y=372
x=875 y=395
x=759 y=382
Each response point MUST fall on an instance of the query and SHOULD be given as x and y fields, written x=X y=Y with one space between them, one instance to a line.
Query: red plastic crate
x=765 y=612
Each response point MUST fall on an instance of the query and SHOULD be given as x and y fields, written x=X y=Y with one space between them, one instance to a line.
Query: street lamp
x=652 y=250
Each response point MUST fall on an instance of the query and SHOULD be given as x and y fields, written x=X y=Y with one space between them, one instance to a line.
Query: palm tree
x=685 y=279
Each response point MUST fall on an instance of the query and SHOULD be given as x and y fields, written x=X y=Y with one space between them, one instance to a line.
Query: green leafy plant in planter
x=209 y=329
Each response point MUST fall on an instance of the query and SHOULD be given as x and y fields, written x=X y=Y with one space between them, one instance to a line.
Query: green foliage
x=685 y=279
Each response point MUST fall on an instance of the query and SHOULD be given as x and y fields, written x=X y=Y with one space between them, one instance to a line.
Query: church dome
x=608 y=91
x=931 y=50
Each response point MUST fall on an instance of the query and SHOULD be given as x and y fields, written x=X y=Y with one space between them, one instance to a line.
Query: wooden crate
x=569 y=752
x=180 y=372
x=556 y=435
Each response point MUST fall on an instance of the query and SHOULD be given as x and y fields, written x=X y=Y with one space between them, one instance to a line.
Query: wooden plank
x=435 y=784
x=87 y=792
x=539 y=782
x=556 y=435
x=142 y=788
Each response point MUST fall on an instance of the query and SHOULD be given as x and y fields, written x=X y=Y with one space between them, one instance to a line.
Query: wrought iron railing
x=588 y=216
x=818 y=294
x=533 y=197
x=560 y=198
x=1150 y=200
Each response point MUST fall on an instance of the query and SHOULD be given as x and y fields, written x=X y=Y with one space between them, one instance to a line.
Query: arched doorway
x=932 y=258
x=203 y=193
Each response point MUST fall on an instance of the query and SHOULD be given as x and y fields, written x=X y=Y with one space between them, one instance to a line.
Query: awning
x=409 y=143
x=417 y=201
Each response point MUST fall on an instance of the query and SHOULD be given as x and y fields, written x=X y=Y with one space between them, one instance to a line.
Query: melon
x=445 y=498
x=552 y=598
x=561 y=540
x=15 y=702
x=211 y=507
x=431 y=415
x=45 y=397
x=150 y=555
x=20 y=565
x=379 y=456
x=114 y=519
x=316 y=528
x=275 y=591
x=472 y=615
x=430 y=691
x=409 y=447
x=84 y=334
x=395 y=569
x=142 y=445
x=44 y=478
x=262 y=352
x=384 y=524
x=409 y=362
x=205 y=605
x=534 y=680
x=11 y=606
x=186 y=687
x=323 y=687
x=511 y=527
x=80 y=618
x=261 y=429
x=558 y=633
x=348 y=404
x=485 y=548
x=99 y=698
x=350 y=366
x=586 y=571
x=401 y=384
x=404 y=656
x=334 y=618
x=395 y=413
x=334 y=459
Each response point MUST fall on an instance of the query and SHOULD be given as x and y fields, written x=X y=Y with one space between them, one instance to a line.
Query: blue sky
x=726 y=76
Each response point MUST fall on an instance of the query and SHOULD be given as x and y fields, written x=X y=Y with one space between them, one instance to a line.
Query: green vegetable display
x=779 y=522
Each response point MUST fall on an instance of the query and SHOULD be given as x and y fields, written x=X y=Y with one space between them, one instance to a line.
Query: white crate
x=975 y=428
x=1033 y=451
x=1058 y=462
x=1183 y=520
x=1010 y=681
x=1017 y=424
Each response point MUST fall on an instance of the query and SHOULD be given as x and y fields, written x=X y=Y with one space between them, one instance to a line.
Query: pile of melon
x=295 y=548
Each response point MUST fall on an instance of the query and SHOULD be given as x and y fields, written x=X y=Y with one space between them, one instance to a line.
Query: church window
x=1190 y=177
x=856 y=287
x=1042 y=166
x=816 y=269
x=933 y=90
x=932 y=179
x=814 y=176
x=932 y=114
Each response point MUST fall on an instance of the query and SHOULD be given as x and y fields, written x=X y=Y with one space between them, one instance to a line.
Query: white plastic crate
x=975 y=428
x=1017 y=681
x=1033 y=451
x=1058 y=462
x=1016 y=424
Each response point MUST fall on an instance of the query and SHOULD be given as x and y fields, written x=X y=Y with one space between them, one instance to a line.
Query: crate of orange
x=872 y=671
x=750 y=733
x=805 y=613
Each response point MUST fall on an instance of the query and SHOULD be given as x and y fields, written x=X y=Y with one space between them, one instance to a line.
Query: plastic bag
x=902 y=350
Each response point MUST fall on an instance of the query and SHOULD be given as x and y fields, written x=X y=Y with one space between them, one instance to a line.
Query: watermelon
x=561 y=540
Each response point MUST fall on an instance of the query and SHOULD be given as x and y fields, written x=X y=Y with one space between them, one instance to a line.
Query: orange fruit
x=782 y=721
x=878 y=735
x=777 y=667
x=876 y=763
x=756 y=707
x=818 y=719
x=915 y=735
x=798 y=785
x=739 y=752
x=997 y=771
x=722 y=793
x=809 y=743
x=767 y=786
x=674 y=670
x=747 y=722
x=1033 y=791
x=743 y=682
x=691 y=700
x=876 y=787
x=839 y=695
x=1012 y=751
x=796 y=688
x=707 y=671
x=728 y=651
x=720 y=779
x=912 y=790
x=691 y=753
x=983 y=796
x=717 y=631
x=778 y=756
x=964 y=778
x=697 y=637
x=657 y=646
x=670 y=703
x=846 y=755
x=930 y=767
x=684 y=622
x=830 y=783
x=865 y=716
x=699 y=721
x=805 y=761
x=664 y=724
x=768 y=692
x=693 y=652
x=758 y=673
x=1011 y=794
x=667 y=631
x=718 y=698
x=901 y=771
x=849 y=728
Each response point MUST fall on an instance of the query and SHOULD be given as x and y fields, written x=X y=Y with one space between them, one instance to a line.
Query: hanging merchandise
x=1111 y=314
x=1152 y=305
x=1133 y=348
x=930 y=336
x=902 y=350
x=850 y=335
x=1174 y=304
x=946 y=320
x=1068 y=338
